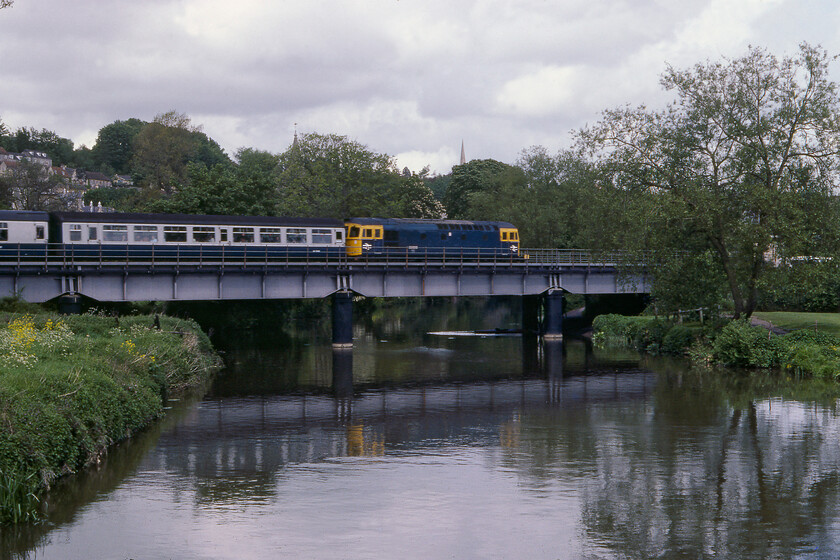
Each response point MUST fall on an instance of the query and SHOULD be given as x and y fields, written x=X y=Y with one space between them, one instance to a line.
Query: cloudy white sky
x=410 y=78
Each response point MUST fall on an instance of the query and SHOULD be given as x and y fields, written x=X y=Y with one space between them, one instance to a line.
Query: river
x=427 y=443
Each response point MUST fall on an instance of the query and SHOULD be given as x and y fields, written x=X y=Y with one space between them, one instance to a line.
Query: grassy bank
x=71 y=386
x=805 y=352
x=795 y=321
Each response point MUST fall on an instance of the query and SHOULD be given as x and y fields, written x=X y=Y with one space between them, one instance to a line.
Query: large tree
x=31 y=186
x=114 y=146
x=164 y=147
x=332 y=176
x=745 y=160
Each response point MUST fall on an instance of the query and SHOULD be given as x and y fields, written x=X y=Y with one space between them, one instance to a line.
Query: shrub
x=679 y=339
x=740 y=344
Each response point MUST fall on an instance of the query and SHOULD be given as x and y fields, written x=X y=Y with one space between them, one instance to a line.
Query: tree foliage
x=164 y=147
x=332 y=176
x=476 y=176
x=114 y=145
x=30 y=186
x=745 y=160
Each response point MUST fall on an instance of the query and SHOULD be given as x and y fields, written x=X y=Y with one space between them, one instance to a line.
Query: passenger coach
x=193 y=234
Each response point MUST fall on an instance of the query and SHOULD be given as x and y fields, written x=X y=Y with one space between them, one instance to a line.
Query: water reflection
x=422 y=447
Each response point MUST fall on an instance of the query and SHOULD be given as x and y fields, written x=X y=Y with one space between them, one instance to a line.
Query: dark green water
x=442 y=446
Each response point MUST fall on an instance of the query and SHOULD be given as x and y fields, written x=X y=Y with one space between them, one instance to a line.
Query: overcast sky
x=410 y=78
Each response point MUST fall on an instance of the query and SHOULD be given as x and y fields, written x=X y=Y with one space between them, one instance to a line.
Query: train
x=190 y=235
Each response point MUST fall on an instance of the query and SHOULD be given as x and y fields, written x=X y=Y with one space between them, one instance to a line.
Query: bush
x=740 y=344
x=679 y=339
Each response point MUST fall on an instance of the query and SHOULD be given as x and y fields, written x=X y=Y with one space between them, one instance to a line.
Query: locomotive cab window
x=75 y=232
x=504 y=236
x=354 y=231
x=175 y=234
x=4 y=231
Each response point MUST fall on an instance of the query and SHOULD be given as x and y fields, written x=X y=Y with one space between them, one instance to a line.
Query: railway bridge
x=540 y=276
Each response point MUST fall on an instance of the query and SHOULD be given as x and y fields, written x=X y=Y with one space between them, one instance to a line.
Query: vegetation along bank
x=70 y=386
x=806 y=352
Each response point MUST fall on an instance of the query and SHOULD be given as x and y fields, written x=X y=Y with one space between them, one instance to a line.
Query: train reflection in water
x=220 y=435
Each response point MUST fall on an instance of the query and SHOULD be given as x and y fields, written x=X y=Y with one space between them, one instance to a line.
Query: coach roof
x=190 y=219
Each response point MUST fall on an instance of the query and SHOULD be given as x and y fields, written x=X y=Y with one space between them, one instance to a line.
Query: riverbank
x=805 y=352
x=71 y=386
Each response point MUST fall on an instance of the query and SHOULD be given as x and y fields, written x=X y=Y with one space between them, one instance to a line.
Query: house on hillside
x=96 y=180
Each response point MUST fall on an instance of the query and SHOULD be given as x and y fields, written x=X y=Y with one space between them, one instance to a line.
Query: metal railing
x=69 y=256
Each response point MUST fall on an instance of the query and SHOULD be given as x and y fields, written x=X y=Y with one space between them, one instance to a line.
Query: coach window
x=204 y=234
x=271 y=235
x=223 y=235
x=92 y=233
x=39 y=232
x=75 y=232
x=4 y=231
x=175 y=234
x=321 y=236
x=243 y=235
x=115 y=233
x=295 y=235
x=145 y=234
x=339 y=234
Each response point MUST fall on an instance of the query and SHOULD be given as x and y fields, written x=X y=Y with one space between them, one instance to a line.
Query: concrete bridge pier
x=342 y=319
x=553 y=323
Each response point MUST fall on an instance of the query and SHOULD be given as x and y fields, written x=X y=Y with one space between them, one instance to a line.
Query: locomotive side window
x=243 y=235
x=115 y=233
x=296 y=235
x=504 y=236
x=145 y=234
x=271 y=235
x=75 y=232
x=321 y=236
x=4 y=231
x=368 y=233
x=204 y=234
x=175 y=234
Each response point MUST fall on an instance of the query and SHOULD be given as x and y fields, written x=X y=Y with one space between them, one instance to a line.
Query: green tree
x=114 y=146
x=469 y=178
x=745 y=160
x=31 y=186
x=59 y=149
x=332 y=176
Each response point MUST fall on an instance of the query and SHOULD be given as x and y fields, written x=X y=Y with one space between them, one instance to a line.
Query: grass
x=794 y=321
x=72 y=386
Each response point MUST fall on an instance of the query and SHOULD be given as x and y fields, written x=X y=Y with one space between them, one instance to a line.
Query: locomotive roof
x=23 y=216
x=425 y=222
x=201 y=219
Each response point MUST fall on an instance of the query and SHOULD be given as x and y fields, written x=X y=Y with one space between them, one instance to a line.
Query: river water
x=426 y=446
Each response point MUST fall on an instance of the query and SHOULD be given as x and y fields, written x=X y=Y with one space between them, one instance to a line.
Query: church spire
x=463 y=155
